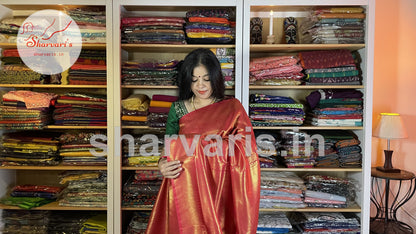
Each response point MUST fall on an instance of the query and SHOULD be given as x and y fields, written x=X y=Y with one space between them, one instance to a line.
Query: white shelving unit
x=297 y=9
x=14 y=175
x=143 y=52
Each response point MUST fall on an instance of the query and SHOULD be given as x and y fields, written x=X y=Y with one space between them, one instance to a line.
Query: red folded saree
x=213 y=193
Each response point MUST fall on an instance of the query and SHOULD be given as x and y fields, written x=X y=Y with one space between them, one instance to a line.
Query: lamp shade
x=390 y=126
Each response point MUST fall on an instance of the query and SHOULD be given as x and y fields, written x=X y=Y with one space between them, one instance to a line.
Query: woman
x=211 y=169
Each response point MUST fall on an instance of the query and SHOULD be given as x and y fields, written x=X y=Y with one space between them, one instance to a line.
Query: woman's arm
x=170 y=170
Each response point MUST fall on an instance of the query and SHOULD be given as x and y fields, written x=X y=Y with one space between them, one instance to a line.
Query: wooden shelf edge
x=73 y=127
x=55 y=168
x=139 y=127
x=302 y=47
x=132 y=168
x=52 y=86
x=53 y=206
x=353 y=209
x=148 y=87
x=314 y=169
x=309 y=127
x=156 y=87
x=137 y=208
x=258 y=87
x=84 y=45
x=182 y=46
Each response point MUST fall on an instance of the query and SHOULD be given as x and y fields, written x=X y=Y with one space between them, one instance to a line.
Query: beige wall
x=395 y=85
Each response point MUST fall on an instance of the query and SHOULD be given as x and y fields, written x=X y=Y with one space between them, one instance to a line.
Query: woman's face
x=201 y=84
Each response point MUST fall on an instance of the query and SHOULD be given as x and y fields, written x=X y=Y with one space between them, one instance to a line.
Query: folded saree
x=213 y=194
x=137 y=102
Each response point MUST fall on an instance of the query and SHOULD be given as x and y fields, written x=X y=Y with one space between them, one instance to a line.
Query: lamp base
x=388 y=166
x=388 y=170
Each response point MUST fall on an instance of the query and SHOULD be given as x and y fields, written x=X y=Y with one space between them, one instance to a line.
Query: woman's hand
x=170 y=170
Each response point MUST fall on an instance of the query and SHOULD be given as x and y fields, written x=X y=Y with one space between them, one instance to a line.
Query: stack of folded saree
x=328 y=191
x=281 y=190
x=24 y=109
x=276 y=222
x=9 y=27
x=349 y=152
x=30 y=196
x=153 y=30
x=226 y=57
x=330 y=158
x=159 y=110
x=143 y=152
x=325 y=222
x=149 y=73
x=330 y=67
x=89 y=69
x=14 y=71
x=25 y=221
x=81 y=109
x=141 y=189
x=84 y=189
x=67 y=221
x=76 y=149
x=295 y=150
x=209 y=26
x=276 y=70
x=342 y=149
x=96 y=224
x=341 y=107
x=267 y=143
x=29 y=148
x=138 y=224
x=334 y=25
x=91 y=22
x=134 y=109
x=269 y=110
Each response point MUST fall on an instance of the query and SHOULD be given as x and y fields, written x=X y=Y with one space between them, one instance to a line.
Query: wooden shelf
x=302 y=47
x=89 y=46
x=314 y=169
x=55 y=168
x=255 y=87
x=137 y=208
x=53 y=206
x=131 y=168
x=41 y=5
x=308 y=127
x=53 y=86
x=157 y=87
x=73 y=127
x=148 y=87
x=353 y=209
x=139 y=127
x=186 y=48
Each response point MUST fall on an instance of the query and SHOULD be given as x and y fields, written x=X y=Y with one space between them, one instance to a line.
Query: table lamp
x=390 y=126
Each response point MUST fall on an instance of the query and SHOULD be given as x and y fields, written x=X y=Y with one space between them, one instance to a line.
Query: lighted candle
x=271 y=23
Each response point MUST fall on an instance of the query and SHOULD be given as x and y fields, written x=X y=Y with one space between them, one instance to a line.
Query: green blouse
x=177 y=110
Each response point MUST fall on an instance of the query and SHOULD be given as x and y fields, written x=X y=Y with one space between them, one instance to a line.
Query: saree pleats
x=218 y=189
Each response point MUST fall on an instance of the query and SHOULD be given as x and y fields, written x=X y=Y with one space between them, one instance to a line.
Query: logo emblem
x=49 y=42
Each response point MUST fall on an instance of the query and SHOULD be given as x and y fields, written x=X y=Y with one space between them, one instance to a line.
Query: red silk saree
x=218 y=189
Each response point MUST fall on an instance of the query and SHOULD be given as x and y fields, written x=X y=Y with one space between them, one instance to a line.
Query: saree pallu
x=213 y=194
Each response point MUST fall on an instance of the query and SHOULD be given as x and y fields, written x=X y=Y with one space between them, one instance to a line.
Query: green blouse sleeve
x=172 y=124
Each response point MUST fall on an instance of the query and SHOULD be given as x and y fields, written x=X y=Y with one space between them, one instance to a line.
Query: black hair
x=196 y=58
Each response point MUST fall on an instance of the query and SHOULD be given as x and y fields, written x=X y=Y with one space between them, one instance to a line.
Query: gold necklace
x=193 y=103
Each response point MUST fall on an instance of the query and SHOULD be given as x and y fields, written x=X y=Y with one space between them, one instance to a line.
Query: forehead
x=200 y=70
